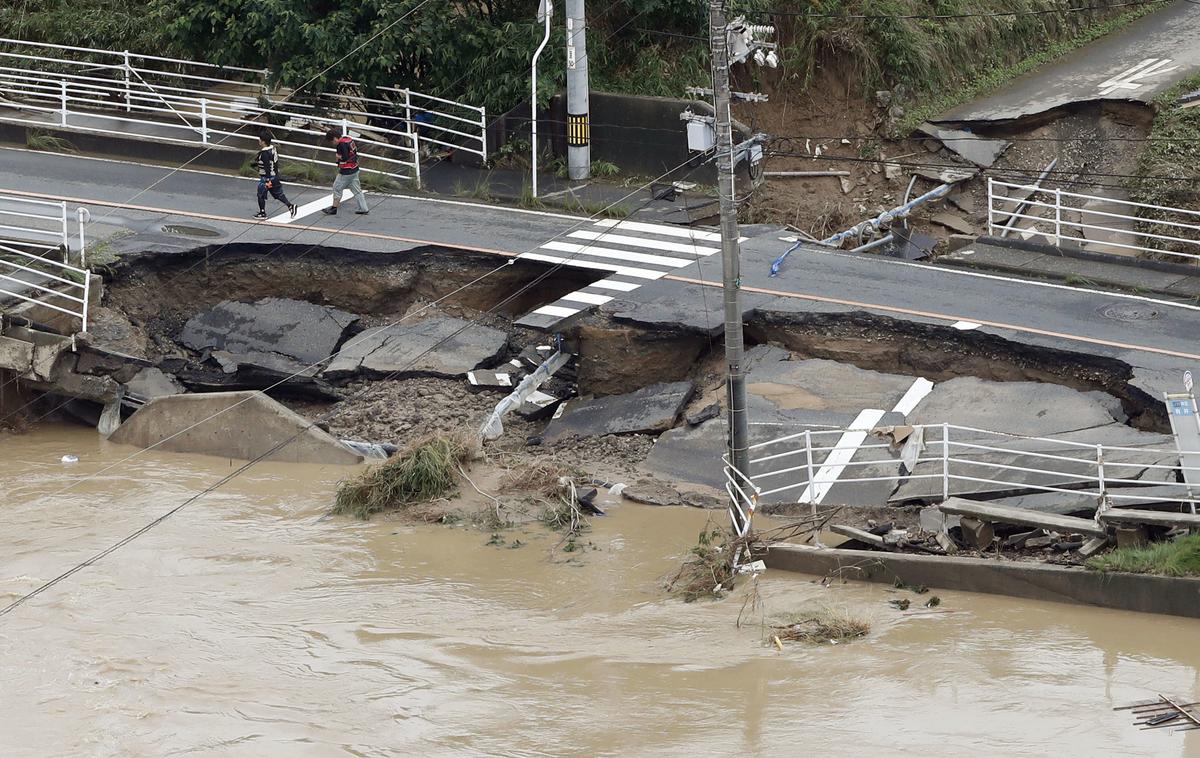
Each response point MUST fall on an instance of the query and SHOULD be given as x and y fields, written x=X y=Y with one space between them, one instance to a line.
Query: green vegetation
x=135 y=25
x=479 y=50
x=1180 y=557
x=1169 y=166
x=996 y=56
x=708 y=570
x=38 y=139
x=426 y=470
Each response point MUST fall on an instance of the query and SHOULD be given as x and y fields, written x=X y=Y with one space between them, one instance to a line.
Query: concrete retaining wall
x=132 y=147
x=244 y=433
x=1036 y=581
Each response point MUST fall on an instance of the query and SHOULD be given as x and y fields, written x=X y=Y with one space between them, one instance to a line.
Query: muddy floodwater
x=248 y=625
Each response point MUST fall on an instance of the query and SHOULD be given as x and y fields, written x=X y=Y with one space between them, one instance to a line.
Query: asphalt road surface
x=657 y=274
x=1137 y=63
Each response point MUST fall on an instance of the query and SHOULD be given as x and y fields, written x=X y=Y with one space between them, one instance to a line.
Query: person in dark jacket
x=267 y=162
x=347 y=178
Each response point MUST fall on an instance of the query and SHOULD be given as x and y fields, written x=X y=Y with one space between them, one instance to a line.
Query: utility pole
x=739 y=422
x=579 y=150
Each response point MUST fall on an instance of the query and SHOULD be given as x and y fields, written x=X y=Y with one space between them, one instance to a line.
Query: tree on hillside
x=473 y=50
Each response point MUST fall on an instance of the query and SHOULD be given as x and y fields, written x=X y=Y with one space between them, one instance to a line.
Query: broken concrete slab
x=651 y=492
x=981 y=151
x=954 y=223
x=649 y=410
x=437 y=346
x=151 y=383
x=710 y=411
x=296 y=330
x=16 y=355
x=1033 y=409
x=991 y=513
x=239 y=425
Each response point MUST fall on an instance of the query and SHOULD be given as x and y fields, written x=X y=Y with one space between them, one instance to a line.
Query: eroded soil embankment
x=158 y=294
x=619 y=357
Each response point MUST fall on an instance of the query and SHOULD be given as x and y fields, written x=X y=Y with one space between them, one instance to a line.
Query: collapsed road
x=1157 y=345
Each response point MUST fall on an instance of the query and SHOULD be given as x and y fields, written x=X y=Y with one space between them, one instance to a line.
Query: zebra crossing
x=631 y=252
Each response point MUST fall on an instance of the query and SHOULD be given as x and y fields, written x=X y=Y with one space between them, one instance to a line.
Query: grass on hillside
x=1172 y=154
x=992 y=72
x=426 y=470
x=1180 y=557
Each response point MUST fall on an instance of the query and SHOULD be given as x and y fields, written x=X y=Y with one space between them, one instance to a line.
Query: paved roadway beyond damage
x=1136 y=63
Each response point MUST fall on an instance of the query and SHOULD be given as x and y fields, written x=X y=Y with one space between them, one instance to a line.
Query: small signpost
x=1185 y=425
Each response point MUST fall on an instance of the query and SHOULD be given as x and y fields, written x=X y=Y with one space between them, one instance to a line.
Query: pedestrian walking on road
x=267 y=162
x=347 y=178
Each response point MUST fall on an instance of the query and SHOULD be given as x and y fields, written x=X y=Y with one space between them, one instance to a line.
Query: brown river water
x=248 y=625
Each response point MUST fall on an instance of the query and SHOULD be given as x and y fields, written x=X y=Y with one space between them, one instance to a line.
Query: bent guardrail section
x=35 y=258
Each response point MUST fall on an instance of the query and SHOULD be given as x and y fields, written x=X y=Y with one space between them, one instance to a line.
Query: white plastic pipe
x=547 y=12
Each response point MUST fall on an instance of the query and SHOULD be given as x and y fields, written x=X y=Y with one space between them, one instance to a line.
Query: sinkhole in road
x=160 y=293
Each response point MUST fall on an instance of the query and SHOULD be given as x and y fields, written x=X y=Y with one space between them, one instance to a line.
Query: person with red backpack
x=347 y=178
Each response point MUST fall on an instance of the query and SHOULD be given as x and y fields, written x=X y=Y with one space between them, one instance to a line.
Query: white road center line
x=847 y=445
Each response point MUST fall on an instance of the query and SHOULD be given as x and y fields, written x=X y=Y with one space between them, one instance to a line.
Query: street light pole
x=739 y=424
x=579 y=151
x=545 y=11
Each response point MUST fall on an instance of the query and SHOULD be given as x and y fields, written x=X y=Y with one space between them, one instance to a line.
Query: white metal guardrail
x=174 y=100
x=35 y=257
x=1061 y=215
x=945 y=454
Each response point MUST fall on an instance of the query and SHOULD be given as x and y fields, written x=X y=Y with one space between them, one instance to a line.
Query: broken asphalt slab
x=981 y=151
x=275 y=333
x=437 y=346
x=651 y=410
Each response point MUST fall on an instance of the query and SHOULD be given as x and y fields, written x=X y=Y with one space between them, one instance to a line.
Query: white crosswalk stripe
x=597 y=251
x=620 y=248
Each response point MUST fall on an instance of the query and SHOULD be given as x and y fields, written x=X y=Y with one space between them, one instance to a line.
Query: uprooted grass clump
x=708 y=570
x=1179 y=557
x=424 y=471
x=820 y=625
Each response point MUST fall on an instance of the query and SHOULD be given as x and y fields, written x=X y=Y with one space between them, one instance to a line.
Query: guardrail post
x=1100 y=469
x=483 y=132
x=83 y=216
x=87 y=289
x=345 y=127
x=991 y=207
x=63 y=119
x=808 y=453
x=945 y=461
x=812 y=500
x=1057 y=217
x=416 y=146
x=128 y=95
x=408 y=110
x=204 y=120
